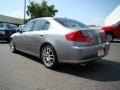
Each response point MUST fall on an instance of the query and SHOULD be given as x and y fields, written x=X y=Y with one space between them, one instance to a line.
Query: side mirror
x=19 y=30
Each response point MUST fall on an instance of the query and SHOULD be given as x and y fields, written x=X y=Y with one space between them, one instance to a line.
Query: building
x=13 y=20
x=114 y=17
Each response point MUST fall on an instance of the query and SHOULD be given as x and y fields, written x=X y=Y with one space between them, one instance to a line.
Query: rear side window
x=46 y=25
x=70 y=23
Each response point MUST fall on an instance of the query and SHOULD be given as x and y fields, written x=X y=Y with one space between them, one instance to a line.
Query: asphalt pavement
x=21 y=71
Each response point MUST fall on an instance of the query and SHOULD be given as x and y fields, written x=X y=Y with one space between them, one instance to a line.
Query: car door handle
x=41 y=35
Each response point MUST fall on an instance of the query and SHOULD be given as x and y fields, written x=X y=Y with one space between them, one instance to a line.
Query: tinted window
x=29 y=26
x=70 y=23
x=39 y=25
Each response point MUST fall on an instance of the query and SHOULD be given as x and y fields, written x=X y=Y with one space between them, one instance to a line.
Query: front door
x=25 y=36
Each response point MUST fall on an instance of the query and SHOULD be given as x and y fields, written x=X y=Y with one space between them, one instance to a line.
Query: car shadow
x=99 y=70
x=115 y=42
x=31 y=57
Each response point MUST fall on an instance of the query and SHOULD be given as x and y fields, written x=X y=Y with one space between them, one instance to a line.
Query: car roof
x=49 y=18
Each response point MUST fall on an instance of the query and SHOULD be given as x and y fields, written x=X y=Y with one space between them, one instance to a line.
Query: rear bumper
x=85 y=54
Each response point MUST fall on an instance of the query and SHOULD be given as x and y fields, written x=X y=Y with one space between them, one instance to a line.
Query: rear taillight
x=78 y=36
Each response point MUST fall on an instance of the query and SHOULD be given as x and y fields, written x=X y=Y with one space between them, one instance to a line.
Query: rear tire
x=12 y=46
x=48 y=56
x=109 y=37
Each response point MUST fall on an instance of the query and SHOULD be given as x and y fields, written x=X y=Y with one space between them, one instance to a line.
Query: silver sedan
x=60 y=40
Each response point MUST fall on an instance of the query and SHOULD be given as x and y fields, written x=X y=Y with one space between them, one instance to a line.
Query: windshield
x=117 y=24
x=70 y=23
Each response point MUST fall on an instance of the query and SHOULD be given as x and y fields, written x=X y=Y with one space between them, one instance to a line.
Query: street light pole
x=24 y=11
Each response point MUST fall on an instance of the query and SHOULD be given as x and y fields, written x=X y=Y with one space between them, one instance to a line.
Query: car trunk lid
x=97 y=36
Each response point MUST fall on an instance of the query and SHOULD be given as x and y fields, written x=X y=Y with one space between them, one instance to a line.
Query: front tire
x=109 y=37
x=48 y=56
x=12 y=46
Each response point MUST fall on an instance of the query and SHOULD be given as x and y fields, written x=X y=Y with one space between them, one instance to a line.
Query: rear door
x=37 y=36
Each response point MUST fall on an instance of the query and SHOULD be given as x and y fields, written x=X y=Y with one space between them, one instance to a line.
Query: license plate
x=100 y=52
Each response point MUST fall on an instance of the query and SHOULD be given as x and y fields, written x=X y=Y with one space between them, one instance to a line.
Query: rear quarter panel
x=61 y=45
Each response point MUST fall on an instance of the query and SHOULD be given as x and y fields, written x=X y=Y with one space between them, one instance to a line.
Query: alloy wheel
x=48 y=56
x=12 y=46
x=109 y=37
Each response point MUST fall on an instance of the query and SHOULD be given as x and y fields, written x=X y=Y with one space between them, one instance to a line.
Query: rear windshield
x=70 y=23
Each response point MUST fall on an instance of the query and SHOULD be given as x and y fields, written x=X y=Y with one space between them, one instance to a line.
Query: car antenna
x=65 y=18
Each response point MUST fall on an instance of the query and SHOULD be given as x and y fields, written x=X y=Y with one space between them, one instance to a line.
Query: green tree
x=35 y=10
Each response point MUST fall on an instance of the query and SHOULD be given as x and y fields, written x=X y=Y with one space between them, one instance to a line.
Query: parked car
x=112 y=31
x=20 y=27
x=6 y=30
x=60 y=40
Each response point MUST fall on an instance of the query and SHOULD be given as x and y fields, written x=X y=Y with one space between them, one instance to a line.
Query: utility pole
x=24 y=11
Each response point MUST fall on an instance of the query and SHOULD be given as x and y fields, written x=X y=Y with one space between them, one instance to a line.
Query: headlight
x=2 y=32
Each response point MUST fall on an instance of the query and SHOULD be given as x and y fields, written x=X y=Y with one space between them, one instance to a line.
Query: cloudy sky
x=87 y=11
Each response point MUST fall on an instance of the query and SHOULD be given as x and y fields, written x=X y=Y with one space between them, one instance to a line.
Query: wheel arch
x=46 y=43
x=110 y=32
